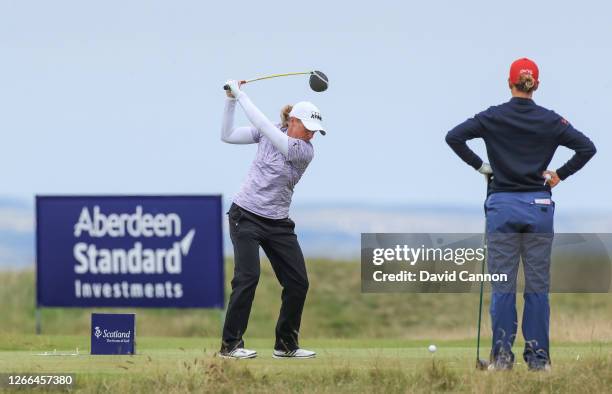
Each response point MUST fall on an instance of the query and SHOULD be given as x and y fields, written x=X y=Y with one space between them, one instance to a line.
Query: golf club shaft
x=276 y=76
x=484 y=240
x=480 y=311
x=269 y=77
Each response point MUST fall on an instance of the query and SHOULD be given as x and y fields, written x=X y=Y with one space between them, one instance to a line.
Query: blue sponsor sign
x=113 y=333
x=129 y=251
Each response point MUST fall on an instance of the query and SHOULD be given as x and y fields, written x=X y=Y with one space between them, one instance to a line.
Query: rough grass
x=373 y=343
x=335 y=308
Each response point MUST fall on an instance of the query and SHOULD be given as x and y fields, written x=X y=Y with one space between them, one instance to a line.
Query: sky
x=125 y=96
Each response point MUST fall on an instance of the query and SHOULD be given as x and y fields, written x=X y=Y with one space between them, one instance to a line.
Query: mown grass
x=344 y=366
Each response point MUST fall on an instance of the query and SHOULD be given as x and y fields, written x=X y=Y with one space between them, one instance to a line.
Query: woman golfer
x=521 y=138
x=259 y=216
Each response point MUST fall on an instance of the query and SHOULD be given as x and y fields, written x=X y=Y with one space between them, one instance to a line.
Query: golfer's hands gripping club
x=232 y=88
x=551 y=178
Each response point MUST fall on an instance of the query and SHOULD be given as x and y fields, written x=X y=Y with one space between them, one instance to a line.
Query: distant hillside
x=16 y=232
x=325 y=230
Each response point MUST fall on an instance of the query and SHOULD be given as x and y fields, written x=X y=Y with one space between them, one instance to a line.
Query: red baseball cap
x=523 y=66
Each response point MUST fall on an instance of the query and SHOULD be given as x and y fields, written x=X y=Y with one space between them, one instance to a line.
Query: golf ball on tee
x=432 y=348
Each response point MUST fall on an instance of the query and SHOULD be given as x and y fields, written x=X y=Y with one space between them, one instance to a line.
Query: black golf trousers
x=277 y=238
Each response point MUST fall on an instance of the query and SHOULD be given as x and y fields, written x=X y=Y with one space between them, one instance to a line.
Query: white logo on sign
x=138 y=259
x=115 y=336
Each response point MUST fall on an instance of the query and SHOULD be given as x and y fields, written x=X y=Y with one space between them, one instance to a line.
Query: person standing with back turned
x=259 y=216
x=521 y=138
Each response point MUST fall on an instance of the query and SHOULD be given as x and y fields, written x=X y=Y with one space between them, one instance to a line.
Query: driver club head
x=318 y=81
x=482 y=365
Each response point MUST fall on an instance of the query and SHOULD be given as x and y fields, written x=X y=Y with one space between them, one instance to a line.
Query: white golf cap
x=309 y=114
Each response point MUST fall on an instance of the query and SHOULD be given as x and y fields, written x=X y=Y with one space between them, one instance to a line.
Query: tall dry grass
x=335 y=308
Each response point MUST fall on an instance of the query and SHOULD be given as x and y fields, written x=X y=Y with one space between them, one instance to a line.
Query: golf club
x=317 y=81
x=482 y=364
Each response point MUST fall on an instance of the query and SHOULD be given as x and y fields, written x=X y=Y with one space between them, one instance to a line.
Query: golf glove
x=485 y=169
x=234 y=87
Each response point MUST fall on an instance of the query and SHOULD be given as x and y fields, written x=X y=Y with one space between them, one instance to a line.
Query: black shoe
x=539 y=367
x=504 y=361
x=498 y=365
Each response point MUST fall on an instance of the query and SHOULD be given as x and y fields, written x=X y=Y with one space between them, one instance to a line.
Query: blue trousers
x=520 y=227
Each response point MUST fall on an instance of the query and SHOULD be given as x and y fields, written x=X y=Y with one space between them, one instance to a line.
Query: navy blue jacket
x=521 y=138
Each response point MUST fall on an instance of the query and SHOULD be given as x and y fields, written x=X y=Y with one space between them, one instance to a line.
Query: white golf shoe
x=297 y=353
x=239 y=353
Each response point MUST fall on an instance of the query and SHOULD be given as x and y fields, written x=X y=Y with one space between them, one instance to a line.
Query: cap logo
x=526 y=71
x=316 y=115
